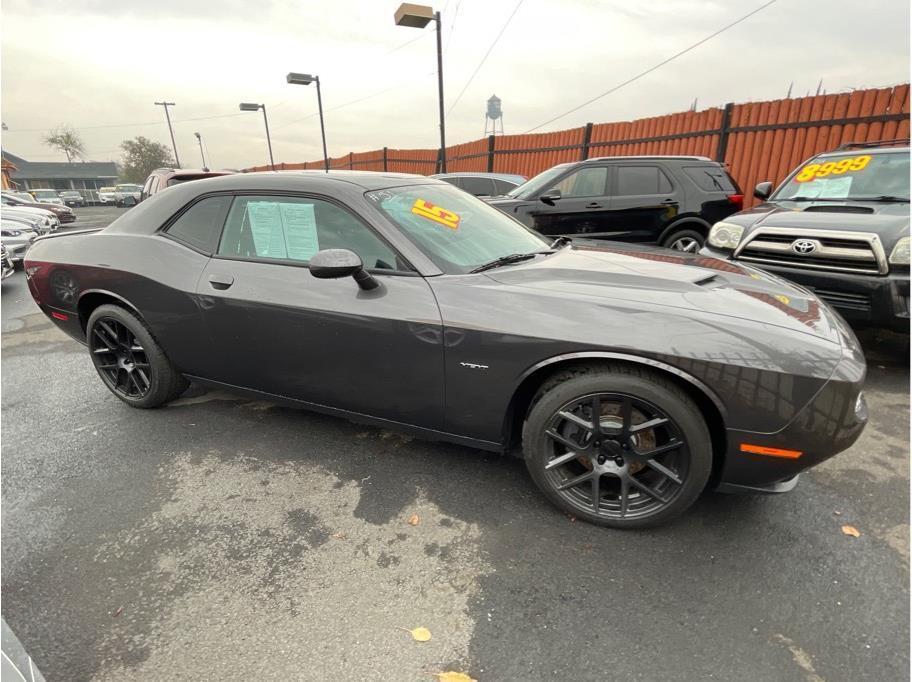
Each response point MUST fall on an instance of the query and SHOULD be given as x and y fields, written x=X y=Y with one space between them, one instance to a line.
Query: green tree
x=141 y=156
x=67 y=140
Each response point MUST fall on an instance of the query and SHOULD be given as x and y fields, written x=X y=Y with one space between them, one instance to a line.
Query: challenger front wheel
x=617 y=446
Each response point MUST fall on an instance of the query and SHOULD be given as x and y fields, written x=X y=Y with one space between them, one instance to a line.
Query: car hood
x=889 y=221
x=649 y=276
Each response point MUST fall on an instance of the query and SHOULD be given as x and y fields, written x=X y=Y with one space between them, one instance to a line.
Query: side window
x=147 y=188
x=502 y=186
x=200 y=225
x=478 y=186
x=453 y=181
x=291 y=228
x=632 y=180
x=586 y=182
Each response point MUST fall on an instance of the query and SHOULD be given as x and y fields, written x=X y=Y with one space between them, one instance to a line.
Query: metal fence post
x=384 y=160
x=351 y=164
x=723 y=132
x=490 y=153
x=587 y=138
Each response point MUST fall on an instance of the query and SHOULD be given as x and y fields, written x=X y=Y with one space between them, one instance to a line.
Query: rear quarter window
x=711 y=178
x=200 y=226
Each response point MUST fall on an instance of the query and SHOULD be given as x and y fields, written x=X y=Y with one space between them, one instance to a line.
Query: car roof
x=653 y=157
x=367 y=180
x=861 y=149
x=469 y=174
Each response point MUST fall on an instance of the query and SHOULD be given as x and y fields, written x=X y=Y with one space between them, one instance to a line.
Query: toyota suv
x=667 y=200
x=838 y=225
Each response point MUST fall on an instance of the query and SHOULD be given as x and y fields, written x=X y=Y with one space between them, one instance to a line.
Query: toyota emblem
x=804 y=246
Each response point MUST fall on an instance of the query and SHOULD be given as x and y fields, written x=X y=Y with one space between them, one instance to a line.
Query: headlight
x=12 y=233
x=725 y=235
x=900 y=255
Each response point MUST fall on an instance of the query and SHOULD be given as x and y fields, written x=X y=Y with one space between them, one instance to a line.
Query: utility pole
x=170 y=129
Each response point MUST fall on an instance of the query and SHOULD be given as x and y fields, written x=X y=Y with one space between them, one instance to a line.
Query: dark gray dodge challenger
x=633 y=377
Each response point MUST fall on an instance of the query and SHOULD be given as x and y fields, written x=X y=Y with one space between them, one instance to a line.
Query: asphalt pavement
x=219 y=538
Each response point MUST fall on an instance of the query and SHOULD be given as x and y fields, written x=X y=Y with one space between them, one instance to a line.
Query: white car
x=46 y=196
x=107 y=195
x=35 y=221
x=16 y=238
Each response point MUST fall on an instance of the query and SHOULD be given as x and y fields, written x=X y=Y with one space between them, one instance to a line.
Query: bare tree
x=67 y=140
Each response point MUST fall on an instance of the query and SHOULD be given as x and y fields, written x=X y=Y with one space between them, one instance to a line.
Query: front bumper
x=827 y=425
x=863 y=300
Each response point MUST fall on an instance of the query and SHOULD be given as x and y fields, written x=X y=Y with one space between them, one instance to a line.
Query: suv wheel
x=690 y=241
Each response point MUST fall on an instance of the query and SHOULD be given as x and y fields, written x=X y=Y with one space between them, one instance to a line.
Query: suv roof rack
x=875 y=143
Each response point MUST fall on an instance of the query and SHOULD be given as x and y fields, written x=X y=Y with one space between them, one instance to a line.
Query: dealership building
x=80 y=175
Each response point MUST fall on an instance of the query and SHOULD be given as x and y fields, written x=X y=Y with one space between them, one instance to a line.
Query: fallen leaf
x=851 y=530
x=119 y=611
x=454 y=677
x=420 y=634
x=339 y=536
x=414 y=520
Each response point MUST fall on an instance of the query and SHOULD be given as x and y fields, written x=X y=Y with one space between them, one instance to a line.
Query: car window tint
x=201 y=224
x=710 y=178
x=479 y=187
x=503 y=186
x=641 y=180
x=453 y=181
x=586 y=182
x=291 y=228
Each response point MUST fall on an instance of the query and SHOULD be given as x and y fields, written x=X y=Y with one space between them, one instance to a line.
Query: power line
x=653 y=68
x=483 y=59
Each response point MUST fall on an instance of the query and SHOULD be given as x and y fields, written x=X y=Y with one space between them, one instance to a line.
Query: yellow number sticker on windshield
x=812 y=171
x=436 y=213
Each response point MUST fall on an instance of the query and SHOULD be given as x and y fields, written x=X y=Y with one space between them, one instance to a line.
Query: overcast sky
x=99 y=65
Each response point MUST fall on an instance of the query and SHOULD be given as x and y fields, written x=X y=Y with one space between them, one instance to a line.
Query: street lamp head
x=414 y=16
x=197 y=135
x=300 y=78
x=249 y=106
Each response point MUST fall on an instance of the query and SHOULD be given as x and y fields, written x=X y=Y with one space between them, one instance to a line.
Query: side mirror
x=549 y=196
x=338 y=263
x=763 y=190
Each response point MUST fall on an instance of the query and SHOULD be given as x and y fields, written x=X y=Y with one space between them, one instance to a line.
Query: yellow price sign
x=812 y=171
x=436 y=213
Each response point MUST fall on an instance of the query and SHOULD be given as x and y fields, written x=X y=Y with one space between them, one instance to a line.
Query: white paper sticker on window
x=300 y=230
x=266 y=227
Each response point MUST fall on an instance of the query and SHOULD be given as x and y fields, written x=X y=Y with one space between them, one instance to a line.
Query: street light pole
x=307 y=79
x=250 y=106
x=170 y=129
x=418 y=16
x=199 y=138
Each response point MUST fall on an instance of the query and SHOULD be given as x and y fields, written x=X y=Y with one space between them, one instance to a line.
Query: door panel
x=643 y=203
x=581 y=208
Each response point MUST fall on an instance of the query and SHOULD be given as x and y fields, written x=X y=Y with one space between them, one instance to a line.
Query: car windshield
x=853 y=176
x=45 y=193
x=457 y=231
x=539 y=182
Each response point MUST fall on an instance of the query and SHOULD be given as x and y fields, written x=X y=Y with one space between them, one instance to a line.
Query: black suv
x=839 y=225
x=666 y=200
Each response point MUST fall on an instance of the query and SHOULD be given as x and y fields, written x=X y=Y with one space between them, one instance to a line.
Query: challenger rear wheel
x=617 y=446
x=129 y=360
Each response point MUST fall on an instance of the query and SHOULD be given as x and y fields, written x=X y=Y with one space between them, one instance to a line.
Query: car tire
x=688 y=240
x=129 y=360
x=599 y=464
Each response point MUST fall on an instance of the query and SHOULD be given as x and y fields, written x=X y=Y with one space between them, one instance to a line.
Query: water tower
x=493 y=115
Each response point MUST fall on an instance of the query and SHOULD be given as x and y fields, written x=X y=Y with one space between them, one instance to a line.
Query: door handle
x=594 y=204
x=221 y=281
x=670 y=201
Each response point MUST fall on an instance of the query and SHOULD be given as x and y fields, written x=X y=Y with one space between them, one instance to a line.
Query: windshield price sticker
x=438 y=214
x=812 y=171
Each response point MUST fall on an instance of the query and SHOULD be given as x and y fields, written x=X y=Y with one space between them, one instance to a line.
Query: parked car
x=162 y=178
x=667 y=200
x=107 y=195
x=72 y=198
x=16 y=238
x=15 y=199
x=6 y=264
x=46 y=196
x=633 y=376
x=39 y=221
x=839 y=226
x=483 y=184
x=127 y=194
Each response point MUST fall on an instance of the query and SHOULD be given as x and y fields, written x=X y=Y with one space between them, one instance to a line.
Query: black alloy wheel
x=120 y=359
x=129 y=360
x=616 y=455
x=617 y=445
